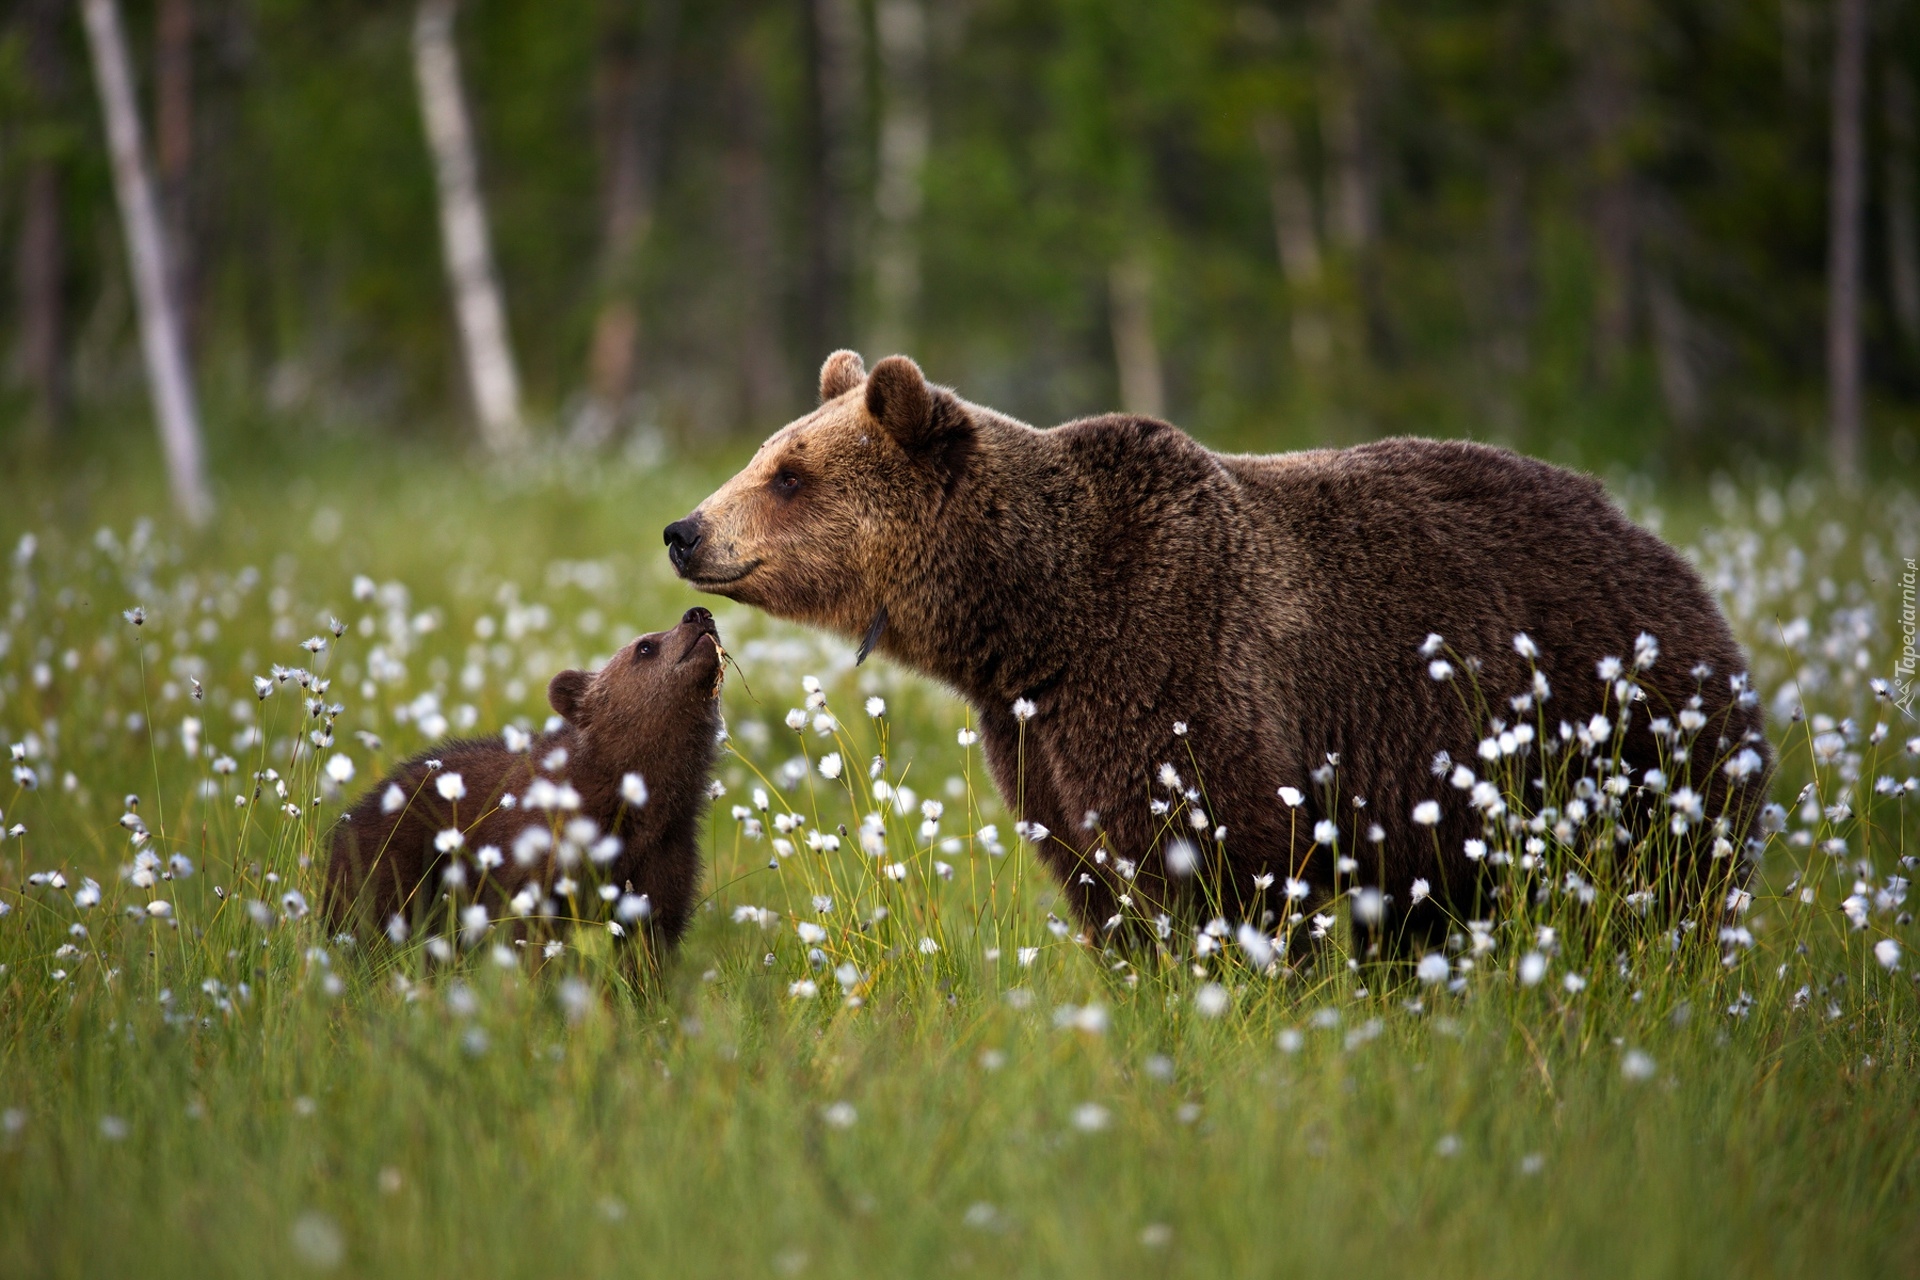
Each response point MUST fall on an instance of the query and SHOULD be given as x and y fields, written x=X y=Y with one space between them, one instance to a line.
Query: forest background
x=1606 y=231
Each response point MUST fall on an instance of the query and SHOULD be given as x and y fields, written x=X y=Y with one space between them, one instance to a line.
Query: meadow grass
x=936 y=1074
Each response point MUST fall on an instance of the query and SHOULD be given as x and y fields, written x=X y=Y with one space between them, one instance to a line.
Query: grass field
x=196 y=1080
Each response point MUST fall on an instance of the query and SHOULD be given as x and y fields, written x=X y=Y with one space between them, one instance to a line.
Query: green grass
x=374 y=1110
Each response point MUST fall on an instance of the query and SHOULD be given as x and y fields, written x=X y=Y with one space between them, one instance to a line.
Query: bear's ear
x=842 y=372
x=900 y=400
x=567 y=695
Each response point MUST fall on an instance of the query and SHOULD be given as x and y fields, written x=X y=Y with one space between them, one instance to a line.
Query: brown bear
x=1161 y=641
x=607 y=806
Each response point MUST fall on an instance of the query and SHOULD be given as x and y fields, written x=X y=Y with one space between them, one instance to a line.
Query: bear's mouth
x=694 y=644
x=723 y=578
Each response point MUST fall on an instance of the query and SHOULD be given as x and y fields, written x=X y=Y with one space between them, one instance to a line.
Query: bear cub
x=607 y=806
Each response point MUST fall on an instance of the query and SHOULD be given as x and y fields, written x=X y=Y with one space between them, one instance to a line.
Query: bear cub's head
x=834 y=504
x=657 y=698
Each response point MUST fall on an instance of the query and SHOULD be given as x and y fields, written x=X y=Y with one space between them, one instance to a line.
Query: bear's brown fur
x=1123 y=578
x=651 y=711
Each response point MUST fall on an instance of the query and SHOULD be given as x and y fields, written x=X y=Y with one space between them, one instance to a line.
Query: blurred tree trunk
x=1136 y=354
x=903 y=156
x=1847 y=196
x=1348 y=127
x=904 y=133
x=1673 y=353
x=635 y=67
x=1353 y=196
x=173 y=153
x=1602 y=35
x=748 y=191
x=1903 y=219
x=160 y=339
x=834 y=92
x=1295 y=236
x=463 y=230
x=41 y=255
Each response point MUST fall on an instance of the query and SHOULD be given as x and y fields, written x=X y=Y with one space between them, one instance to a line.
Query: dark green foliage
x=1592 y=228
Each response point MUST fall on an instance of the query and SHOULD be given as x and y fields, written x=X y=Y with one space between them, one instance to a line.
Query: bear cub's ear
x=567 y=695
x=842 y=372
x=899 y=399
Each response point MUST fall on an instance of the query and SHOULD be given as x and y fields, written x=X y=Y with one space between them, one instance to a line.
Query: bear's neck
x=998 y=558
x=676 y=784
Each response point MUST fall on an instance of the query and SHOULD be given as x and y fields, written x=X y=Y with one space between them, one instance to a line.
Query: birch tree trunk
x=902 y=30
x=167 y=372
x=1846 y=197
x=463 y=231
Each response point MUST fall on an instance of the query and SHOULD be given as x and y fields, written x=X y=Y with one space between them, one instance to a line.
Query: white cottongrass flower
x=1887 y=952
x=796 y=719
x=1637 y=1064
x=805 y=989
x=876 y=707
x=633 y=789
x=340 y=769
x=1524 y=646
x=928 y=947
x=1646 y=651
x=262 y=688
x=1326 y=831
x=1431 y=645
x=840 y=1115
x=159 y=908
x=1091 y=1117
x=1432 y=968
x=830 y=765
x=1091 y=1018
x=1574 y=983
x=449 y=839
x=1257 y=946
x=1211 y=1000
x=451 y=786
x=810 y=933
x=967 y=737
x=1024 y=709
x=1291 y=797
x=1440 y=669
x=1419 y=890
x=1427 y=813
x=1533 y=967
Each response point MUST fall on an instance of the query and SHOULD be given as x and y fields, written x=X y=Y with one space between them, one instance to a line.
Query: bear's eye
x=785 y=483
x=644 y=649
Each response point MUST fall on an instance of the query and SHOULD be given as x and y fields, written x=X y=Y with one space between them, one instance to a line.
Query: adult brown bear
x=1163 y=639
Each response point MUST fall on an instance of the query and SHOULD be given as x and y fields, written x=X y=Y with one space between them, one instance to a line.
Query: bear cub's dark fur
x=613 y=797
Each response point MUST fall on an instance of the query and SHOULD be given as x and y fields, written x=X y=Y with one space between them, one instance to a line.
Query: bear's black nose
x=698 y=617
x=682 y=537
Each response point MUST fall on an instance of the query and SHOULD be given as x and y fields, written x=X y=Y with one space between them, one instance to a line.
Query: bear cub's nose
x=682 y=537
x=698 y=617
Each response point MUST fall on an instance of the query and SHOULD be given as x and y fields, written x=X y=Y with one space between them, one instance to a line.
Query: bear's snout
x=683 y=536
